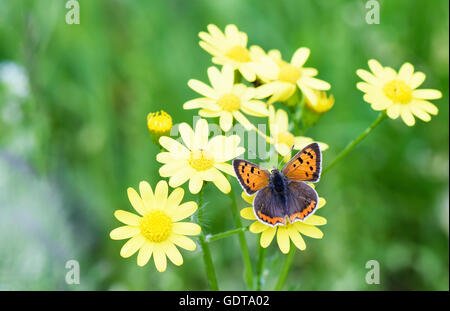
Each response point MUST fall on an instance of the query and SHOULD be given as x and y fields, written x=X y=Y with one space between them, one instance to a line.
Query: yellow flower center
x=398 y=91
x=239 y=54
x=156 y=226
x=289 y=73
x=229 y=102
x=200 y=160
x=159 y=123
x=286 y=138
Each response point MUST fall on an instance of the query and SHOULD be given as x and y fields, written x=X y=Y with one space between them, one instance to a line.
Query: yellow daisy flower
x=199 y=159
x=283 y=78
x=287 y=232
x=397 y=93
x=157 y=228
x=229 y=48
x=282 y=138
x=226 y=99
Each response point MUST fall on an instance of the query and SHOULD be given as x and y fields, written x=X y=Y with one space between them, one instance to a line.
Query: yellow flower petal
x=258 y=227
x=164 y=157
x=420 y=113
x=309 y=230
x=124 y=232
x=426 y=106
x=300 y=56
x=225 y=167
x=202 y=88
x=181 y=176
x=177 y=150
x=267 y=237
x=132 y=246
x=187 y=134
x=296 y=239
x=159 y=257
x=315 y=220
x=416 y=80
x=376 y=68
x=406 y=71
x=220 y=181
x=248 y=198
x=283 y=239
x=174 y=199
x=145 y=253
x=183 y=241
x=226 y=120
x=321 y=203
x=173 y=253
x=172 y=168
x=161 y=192
x=186 y=228
x=247 y=213
x=407 y=117
x=201 y=134
x=136 y=201
x=127 y=217
x=393 y=111
x=147 y=195
x=195 y=183
x=183 y=211
x=427 y=94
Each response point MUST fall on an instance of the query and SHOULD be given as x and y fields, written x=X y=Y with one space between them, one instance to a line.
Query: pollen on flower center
x=156 y=226
x=289 y=73
x=398 y=91
x=286 y=138
x=239 y=54
x=229 y=102
x=200 y=160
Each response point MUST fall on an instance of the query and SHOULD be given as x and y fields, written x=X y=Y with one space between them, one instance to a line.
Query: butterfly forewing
x=305 y=165
x=251 y=177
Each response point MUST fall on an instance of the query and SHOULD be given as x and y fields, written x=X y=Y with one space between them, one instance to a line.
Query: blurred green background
x=73 y=137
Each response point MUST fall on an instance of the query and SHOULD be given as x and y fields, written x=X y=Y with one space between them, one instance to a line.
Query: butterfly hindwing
x=269 y=207
x=301 y=201
x=251 y=177
x=305 y=165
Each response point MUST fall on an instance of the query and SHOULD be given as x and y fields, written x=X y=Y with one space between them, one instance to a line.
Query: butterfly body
x=282 y=195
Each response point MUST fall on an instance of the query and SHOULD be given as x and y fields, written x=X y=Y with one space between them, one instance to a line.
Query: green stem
x=218 y=236
x=210 y=272
x=248 y=274
x=260 y=267
x=285 y=268
x=356 y=141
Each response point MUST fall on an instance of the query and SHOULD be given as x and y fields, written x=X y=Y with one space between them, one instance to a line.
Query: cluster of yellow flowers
x=196 y=158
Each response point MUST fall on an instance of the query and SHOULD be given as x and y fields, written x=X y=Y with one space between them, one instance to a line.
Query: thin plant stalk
x=285 y=269
x=210 y=271
x=260 y=267
x=225 y=234
x=356 y=141
x=248 y=274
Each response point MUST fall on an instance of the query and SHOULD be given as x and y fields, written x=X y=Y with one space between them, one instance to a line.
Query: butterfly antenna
x=290 y=151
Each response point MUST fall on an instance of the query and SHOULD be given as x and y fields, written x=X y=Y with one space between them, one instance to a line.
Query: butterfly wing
x=269 y=207
x=305 y=165
x=250 y=176
x=301 y=201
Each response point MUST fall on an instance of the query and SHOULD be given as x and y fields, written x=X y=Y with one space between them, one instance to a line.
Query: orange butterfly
x=284 y=194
